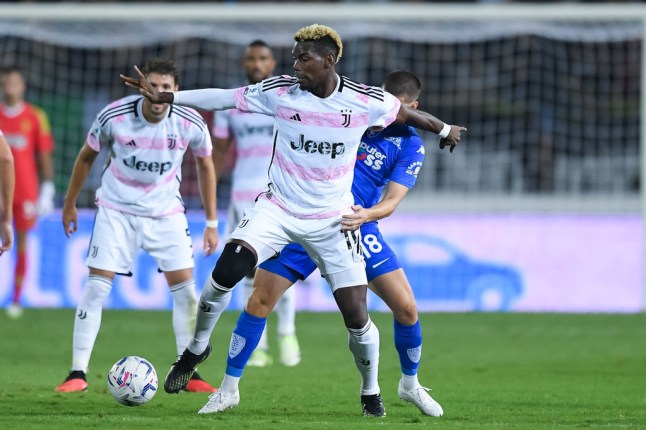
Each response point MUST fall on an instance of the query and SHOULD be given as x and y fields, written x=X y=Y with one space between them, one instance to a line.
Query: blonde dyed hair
x=318 y=31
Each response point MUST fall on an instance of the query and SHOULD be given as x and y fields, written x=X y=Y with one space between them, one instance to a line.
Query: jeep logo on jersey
x=324 y=148
x=149 y=166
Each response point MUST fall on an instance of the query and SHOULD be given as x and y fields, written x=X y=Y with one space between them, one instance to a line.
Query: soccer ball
x=132 y=381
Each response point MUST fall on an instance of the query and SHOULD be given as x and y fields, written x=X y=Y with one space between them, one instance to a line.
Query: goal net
x=552 y=103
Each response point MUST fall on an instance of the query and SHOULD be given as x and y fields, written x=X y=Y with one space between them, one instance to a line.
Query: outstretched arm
x=449 y=134
x=207 y=99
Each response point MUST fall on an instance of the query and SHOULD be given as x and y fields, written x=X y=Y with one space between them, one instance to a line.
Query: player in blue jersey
x=390 y=159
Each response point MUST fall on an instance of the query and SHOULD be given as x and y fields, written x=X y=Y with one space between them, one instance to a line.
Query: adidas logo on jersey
x=131 y=143
x=150 y=166
x=324 y=148
x=295 y=117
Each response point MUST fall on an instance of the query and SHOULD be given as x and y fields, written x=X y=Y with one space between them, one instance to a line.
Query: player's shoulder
x=188 y=114
x=412 y=142
x=348 y=85
x=276 y=82
x=123 y=107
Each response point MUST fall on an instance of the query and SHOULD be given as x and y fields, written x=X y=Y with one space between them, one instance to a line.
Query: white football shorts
x=268 y=229
x=236 y=212
x=117 y=237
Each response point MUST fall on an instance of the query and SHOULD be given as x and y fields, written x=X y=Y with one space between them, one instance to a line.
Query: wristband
x=445 y=131
x=211 y=223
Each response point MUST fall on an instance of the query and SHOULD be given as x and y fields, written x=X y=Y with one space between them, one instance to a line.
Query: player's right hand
x=144 y=87
x=6 y=237
x=70 y=220
x=453 y=138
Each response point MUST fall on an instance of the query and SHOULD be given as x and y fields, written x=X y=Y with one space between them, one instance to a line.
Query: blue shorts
x=293 y=263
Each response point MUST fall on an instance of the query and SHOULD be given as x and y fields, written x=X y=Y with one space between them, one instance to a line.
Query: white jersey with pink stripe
x=145 y=165
x=254 y=145
x=316 y=140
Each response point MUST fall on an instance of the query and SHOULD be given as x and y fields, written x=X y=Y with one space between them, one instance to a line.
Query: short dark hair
x=10 y=69
x=401 y=83
x=163 y=66
x=258 y=43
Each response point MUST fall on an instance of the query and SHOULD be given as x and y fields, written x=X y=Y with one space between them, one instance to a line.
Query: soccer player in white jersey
x=140 y=207
x=319 y=120
x=253 y=134
x=7 y=185
x=388 y=162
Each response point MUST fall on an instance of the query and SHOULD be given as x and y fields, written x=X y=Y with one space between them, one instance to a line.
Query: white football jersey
x=254 y=145
x=144 y=170
x=316 y=140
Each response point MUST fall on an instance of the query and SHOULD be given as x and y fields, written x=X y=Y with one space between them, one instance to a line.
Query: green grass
x=489 y=371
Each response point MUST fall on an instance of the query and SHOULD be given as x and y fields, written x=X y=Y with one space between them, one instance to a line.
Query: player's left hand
x=210 y=240
x=453 y=138
x=357 y=219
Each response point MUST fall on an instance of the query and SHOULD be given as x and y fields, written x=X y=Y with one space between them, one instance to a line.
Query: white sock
x=229 y=384
x=263 y=343
x=286 y=311
x=184 y=313
x=213 y=301
x=364 y=344
x=409 y=382
x=88 y=320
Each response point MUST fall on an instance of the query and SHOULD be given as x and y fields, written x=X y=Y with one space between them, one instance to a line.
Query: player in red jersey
x=27 y=131
x=7 y=184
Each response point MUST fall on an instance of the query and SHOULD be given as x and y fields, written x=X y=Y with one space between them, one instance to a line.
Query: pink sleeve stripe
x=313 y=173
x=255 y=151
x=221 y=132
x=322 y=119
x=392 y=115
x=335 y=213
x=93 y=143
x=240 y=100
x=202 y=152
x=145 y=186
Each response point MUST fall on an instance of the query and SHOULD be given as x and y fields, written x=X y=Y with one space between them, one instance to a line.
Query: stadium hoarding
x=520 y=262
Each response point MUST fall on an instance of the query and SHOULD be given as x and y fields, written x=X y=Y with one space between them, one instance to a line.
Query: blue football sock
x=408 y=342
x=244 y=340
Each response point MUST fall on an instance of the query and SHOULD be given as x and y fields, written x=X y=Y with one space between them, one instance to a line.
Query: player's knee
x=233 y=265
x=259 y=306
x=355 y=317
x=406 y=313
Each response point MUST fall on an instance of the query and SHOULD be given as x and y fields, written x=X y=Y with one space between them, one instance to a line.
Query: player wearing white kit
x=140 y=207
x=388 y=162
x=254 y=145
x=319 y=120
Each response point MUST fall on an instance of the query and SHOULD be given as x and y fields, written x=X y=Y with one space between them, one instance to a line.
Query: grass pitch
x=489 y=371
